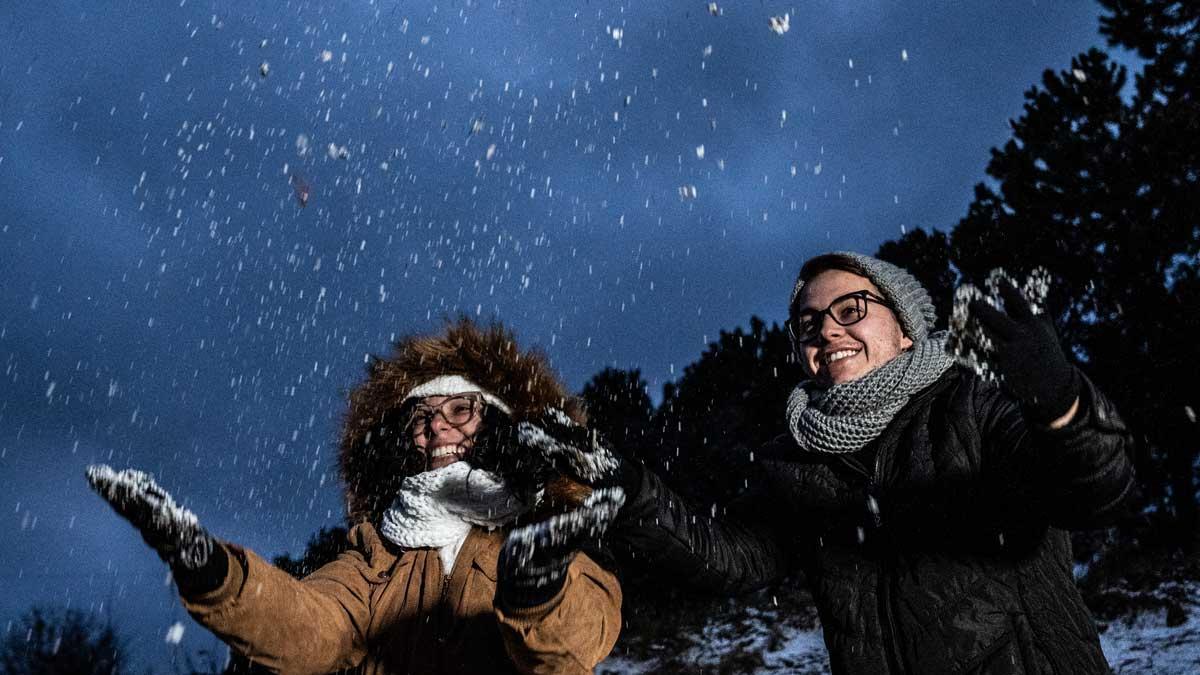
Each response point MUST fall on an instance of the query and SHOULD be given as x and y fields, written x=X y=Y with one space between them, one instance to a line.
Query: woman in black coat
x=928 y=508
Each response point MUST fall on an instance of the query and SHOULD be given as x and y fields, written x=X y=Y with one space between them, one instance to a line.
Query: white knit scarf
x=436 y=509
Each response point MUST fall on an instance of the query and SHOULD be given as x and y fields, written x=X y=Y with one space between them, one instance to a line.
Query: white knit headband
x=453 y=385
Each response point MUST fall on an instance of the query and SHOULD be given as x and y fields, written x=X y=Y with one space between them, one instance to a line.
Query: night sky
x=616 y=182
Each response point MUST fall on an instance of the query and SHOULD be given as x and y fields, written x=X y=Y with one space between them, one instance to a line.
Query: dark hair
x=824 y=263
x=392 y=456
x=830 y=261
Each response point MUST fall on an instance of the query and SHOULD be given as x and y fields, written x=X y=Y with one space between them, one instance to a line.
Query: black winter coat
x=939 y=548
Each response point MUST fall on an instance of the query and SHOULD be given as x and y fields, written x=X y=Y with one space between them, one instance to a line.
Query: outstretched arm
x=314 y=626
x=656 y=528
x=726 y=553
x=291 y=626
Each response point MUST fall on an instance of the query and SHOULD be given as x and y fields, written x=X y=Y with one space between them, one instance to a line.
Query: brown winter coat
x=386 y=610
x=392 y=613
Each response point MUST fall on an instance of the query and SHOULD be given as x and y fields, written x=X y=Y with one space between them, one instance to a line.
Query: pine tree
x=54 y=642
x=727 y=405
x=927 y=256
x=620 y=409
x=1101 y=186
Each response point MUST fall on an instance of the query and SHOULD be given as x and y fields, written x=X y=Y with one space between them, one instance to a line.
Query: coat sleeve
x=736 y=552
x=316 y=625
x=1081 y=475
x=573 y=631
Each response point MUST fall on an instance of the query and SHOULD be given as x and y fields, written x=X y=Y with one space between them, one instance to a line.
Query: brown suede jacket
x=384 y=611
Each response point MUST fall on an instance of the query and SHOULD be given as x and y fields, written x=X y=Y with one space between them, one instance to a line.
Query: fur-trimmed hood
x=372 y=440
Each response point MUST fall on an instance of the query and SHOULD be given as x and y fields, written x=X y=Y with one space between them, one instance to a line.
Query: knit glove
x=197 y=561
x=575 y=450
x=533 y=563
x=1020 y=343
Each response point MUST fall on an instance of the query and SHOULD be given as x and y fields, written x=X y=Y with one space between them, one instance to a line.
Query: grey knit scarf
x=845 y=417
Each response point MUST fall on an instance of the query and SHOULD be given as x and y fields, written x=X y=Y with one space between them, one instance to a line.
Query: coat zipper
x=443 y=612
x=890 y=639
x=872 y=503
x=440 y=624
x=887 y=621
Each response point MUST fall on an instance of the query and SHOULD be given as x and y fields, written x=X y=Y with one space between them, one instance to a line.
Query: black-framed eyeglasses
x=456 y=410
x=846 y=310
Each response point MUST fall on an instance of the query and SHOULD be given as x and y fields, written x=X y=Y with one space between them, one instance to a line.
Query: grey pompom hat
x=908 y=298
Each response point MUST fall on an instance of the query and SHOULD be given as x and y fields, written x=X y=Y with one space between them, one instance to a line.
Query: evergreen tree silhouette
x=62 y=642
x=619 y=407
x=1100 y=184
x=728 y=404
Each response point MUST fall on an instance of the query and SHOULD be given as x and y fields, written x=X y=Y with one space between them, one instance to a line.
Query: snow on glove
x=1006 y=335
x=171 y=530
x=572 y=448
x=533 y=563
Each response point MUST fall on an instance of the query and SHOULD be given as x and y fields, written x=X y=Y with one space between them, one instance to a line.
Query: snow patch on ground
x=755 y=640
x=1144 y=644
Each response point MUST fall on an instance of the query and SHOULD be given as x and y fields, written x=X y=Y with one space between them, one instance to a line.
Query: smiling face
x=845 y=353
x=433 y=433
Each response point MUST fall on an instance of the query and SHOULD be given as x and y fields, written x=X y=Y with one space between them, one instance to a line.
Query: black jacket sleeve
x=729 y=552
x=1081 y=475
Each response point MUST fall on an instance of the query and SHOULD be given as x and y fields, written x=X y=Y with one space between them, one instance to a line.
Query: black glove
x=1026 y=354
x=197 y=561
x=533 y=563
x=575 y=450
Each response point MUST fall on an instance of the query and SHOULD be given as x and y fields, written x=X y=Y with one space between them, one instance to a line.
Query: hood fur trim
x=372 y=440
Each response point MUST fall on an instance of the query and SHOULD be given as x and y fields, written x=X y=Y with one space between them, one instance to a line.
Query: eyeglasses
x=846 y=310
x=456 y=410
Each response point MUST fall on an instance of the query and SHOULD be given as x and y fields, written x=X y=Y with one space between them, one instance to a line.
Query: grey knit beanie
x=909 y=299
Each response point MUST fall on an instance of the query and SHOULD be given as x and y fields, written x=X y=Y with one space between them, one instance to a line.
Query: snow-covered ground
x=1145 y=644
x=800 y=651
x=762 y=641
x=748 y=639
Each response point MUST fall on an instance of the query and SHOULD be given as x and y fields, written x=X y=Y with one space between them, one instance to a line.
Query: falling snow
x=216 y=214
x=780 y=24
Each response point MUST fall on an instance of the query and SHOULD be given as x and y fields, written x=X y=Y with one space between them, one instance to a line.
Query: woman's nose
x=439 y=424
x=830 y=328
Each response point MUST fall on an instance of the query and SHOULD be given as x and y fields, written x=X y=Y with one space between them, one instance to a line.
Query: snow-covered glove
x=574 y=449
x=533 y=563
x=171 y=530
x=1016 y=339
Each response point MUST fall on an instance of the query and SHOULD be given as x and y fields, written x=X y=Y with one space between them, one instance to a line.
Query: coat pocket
x=1001 y=658
x=974 y=633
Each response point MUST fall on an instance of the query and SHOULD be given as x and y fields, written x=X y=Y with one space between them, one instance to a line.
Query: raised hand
x=171 y=530
x=533 y=563
x=573 y=449
x=1026 y=354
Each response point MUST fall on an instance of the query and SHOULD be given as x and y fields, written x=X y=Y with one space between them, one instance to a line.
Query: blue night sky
x=168 y=304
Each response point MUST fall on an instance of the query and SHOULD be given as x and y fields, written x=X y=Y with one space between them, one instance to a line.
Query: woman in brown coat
x=435 y=486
